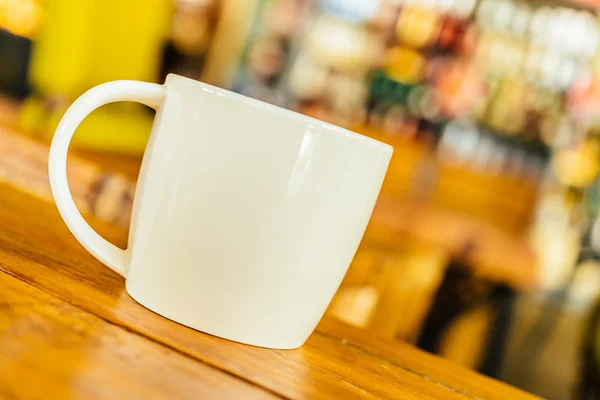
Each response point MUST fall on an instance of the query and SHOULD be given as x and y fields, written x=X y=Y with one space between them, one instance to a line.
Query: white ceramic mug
x=246 y=215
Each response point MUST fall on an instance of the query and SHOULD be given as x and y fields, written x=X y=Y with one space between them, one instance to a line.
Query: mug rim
x=279 y=110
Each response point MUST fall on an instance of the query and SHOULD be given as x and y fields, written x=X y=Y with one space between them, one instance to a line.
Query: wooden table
x=68 y=329
x=338 y=360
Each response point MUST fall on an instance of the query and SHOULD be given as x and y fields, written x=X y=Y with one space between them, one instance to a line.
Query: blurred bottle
x=83 y=43
x=14 y=61
x=404 y=65
x=418 y=27
x=589 y=387
x=578 y=164
x=19 y=22
x=506 y=112
x=192 y=29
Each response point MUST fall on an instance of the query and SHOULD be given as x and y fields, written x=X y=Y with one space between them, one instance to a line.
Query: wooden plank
x=42 y=252
x=50 y=349
x=426 y=364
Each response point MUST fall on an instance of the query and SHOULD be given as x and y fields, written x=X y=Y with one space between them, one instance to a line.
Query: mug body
x=247 y=215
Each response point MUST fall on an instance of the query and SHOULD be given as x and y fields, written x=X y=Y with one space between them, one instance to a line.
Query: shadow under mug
x=246 y=215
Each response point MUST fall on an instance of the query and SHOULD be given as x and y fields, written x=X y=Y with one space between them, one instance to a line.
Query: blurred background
x=485 y=241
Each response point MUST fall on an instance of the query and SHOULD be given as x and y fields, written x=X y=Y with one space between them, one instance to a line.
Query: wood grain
x=337 y=361
x=50 y=349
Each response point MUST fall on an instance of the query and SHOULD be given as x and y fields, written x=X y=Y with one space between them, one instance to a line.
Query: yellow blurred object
x=120 y=128
x=507 y=109
x=354 y=305
x=418 y=27
x=464 y=342
x=404 y=65
x=554 y=239
x=110 y=128
x=4 y=4
x=33 y=114
x=577 y=166
x=83 y=43
x=595 y=64
x=21 y=18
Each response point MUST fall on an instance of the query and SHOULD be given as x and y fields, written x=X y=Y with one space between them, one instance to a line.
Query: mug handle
x=150 y=94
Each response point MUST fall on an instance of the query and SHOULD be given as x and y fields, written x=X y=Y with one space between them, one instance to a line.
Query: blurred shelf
x=505 y=201
x=491 y=253
x=589 y=5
